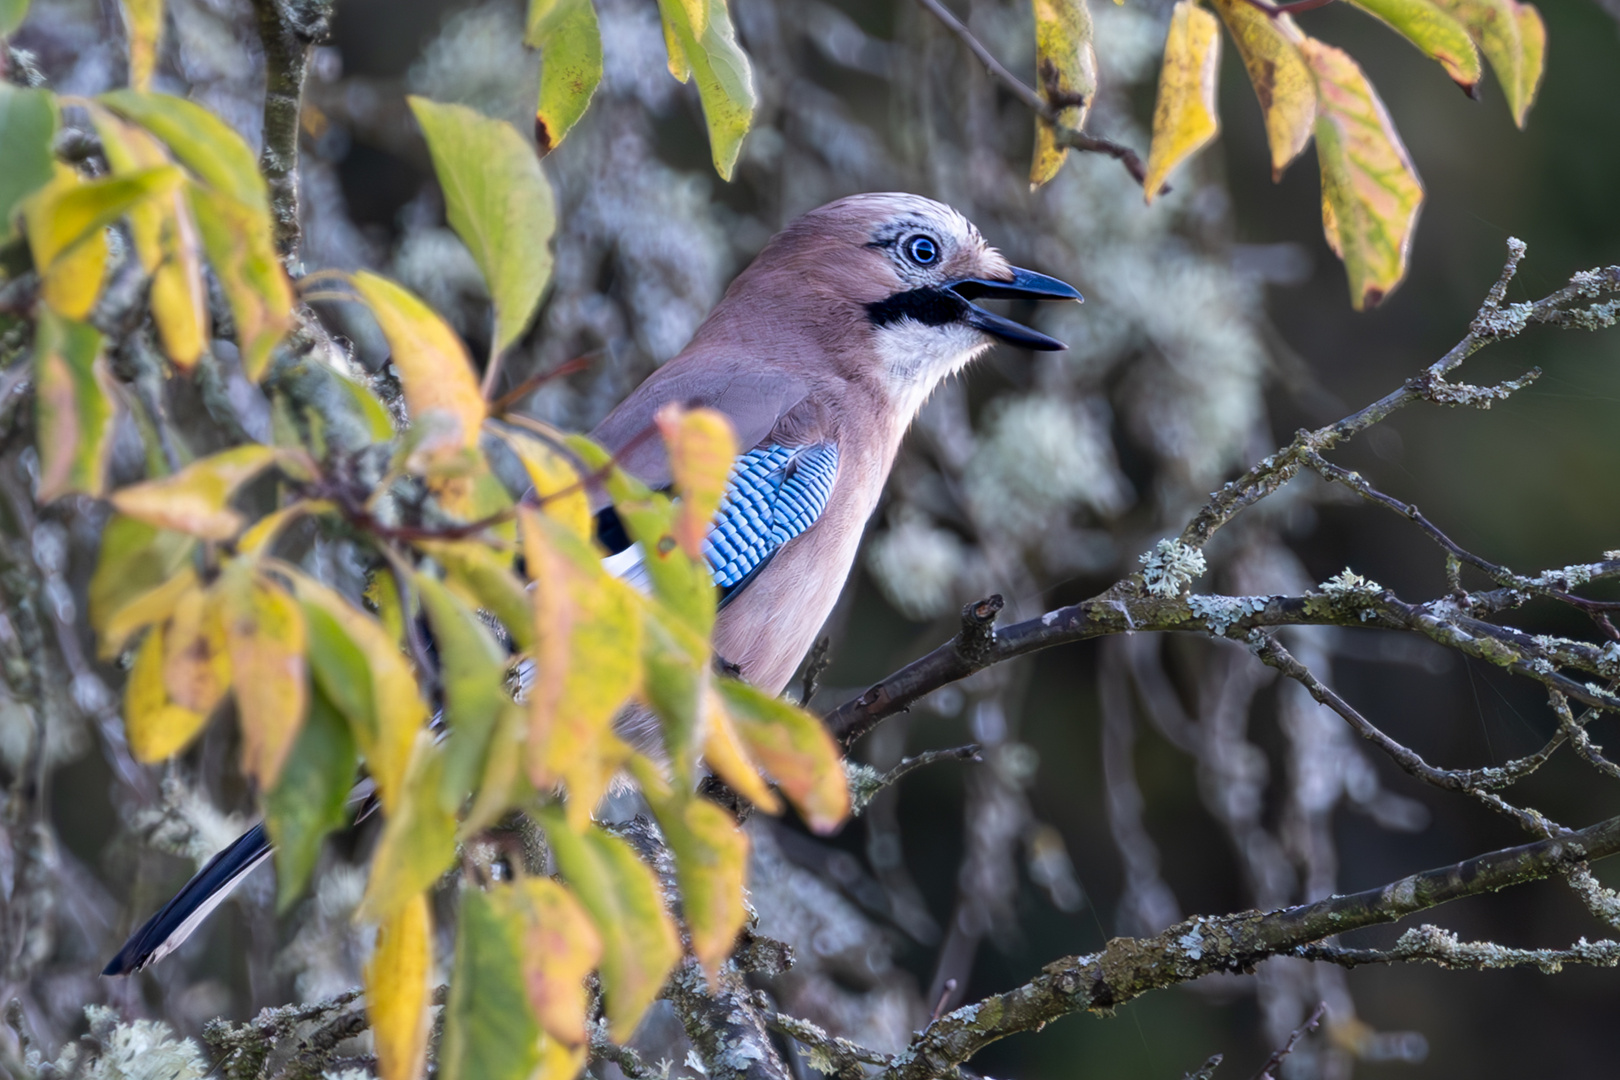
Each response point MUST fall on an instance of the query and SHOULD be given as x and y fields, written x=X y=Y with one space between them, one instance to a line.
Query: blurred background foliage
x=1124 y=785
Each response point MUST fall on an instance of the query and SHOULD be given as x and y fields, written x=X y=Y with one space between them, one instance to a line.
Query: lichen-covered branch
x=288 y=29
x=1433 y=945
x=1129 y=967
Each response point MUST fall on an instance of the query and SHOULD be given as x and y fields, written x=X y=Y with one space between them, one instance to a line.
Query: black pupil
x=921 y=249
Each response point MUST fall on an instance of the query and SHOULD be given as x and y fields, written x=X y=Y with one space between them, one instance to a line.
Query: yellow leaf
x=153 y=606
x=201 y=140
x=397 y=988
x=1066 y=68
x=724 y=751
x=793 y=747
x=702 y=449
x=639 y=942
x=711 y=865
x=724 y=78
x=236 y=235
x=434 y=368
x=570 y=44
x=361 y=670
x=196 y=665
x=73 y=407
x=1184 y=118
x=143 y=22
x=560 y=947
x=263 y=532
x=587 y=654
x=1370 y=190
x=265 y=636
x=1513 y=39
x=1440 y=36
x=558 y=488
x=156 y=727
x=1281 y=79
x=193 y=500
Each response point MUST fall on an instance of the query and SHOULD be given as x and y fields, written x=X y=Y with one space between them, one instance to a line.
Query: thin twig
x=1275 y=1061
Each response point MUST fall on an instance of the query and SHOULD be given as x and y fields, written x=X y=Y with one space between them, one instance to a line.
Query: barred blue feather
x=774 y=494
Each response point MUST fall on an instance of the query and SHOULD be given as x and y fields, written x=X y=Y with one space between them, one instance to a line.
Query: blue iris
x=921 y=250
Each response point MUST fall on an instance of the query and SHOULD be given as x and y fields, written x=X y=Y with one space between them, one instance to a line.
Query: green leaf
x=1184 y=117
x=1441 y=37
x=12 y=13
x=570 y=45
x=490 y=1032
x=199 y=140
x=237 y=239
x=639 y=941
x=724 y=80
x=793 y=747
x=73 y=407
x=711 y=865
x=418 y=843
x=499 y=203
x=483 y=578
x=193 y=500
x=311 y=798
x=28 y=120
x=1513 y=38
x=135 y=558
x=1282 y=81
x=1370 y=190
x=1065 y=62
x=473 y=670
x=358 y=665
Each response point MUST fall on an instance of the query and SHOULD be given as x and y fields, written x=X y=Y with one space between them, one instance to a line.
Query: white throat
x=914 y=358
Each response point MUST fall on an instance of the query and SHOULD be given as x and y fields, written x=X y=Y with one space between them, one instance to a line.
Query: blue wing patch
x=774 y=494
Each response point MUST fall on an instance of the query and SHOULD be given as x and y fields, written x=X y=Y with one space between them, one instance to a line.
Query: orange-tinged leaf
x=265 y=636
x=1441 y=37
x=434 y=368
x=143 y=22
x=193 y=500
x=156 y=727
x=558 y=487
x=1282 y=81
x=153 y=606
x=397 y=991
x=639 y=942
x=711 y=865
x=1513 y=39
x=725 y=753
x=560 y=947
x=1370 y=190
x=793 y=747
x=74 y=408
x=489 y=1031
x=419 y=838
x=1184 y=118
x=702 y=449
x=236 y=236
x=361 y=670
x=196 y=663
x=587 y=663
x=1066 y=68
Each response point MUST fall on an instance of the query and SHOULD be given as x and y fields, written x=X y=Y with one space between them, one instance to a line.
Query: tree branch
x=1128 y=967
x=288 y=30
x=1431 y=944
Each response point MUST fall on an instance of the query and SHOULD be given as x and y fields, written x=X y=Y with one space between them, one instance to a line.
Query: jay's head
x=902 y=275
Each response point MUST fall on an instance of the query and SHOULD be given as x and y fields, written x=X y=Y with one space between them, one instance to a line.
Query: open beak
x=1024 y=285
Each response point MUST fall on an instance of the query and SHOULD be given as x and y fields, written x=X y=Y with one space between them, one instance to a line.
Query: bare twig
x=828 y=1053
x=288 y=32
x=814 y=665
x=1275 y=1061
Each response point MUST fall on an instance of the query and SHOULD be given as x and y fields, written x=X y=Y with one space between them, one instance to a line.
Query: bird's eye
x=921 y=250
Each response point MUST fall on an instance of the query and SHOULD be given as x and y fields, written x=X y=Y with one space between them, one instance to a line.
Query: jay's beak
x=1024 y=285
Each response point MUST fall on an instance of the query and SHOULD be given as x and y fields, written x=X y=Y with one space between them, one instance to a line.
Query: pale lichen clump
x=138 y=1050
x=1220 y=612
x=1171 y=567
x=917 y=565
x=1346 y=584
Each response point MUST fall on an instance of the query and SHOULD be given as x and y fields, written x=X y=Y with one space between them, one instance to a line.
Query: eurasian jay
x=821 y=353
